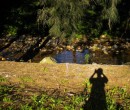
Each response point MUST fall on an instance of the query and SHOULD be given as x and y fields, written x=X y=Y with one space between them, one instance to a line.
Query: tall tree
x=63 y=16
x=110 y=11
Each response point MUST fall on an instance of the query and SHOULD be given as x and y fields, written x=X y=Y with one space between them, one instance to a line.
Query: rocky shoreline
x=103 y=50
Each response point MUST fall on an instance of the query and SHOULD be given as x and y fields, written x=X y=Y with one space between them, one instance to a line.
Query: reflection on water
x=65 y=56
x=80 y=56
x=71 y=57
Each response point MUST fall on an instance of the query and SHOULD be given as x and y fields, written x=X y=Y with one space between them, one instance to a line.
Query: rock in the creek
x=49 y=60
x=2 y=58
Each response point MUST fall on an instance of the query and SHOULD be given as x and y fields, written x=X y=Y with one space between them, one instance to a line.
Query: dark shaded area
x=20 y=15
x=19 y=18
x=34 y=50
x=119 y=106
x=122 y=28
x=97 y=99
x=9 y=43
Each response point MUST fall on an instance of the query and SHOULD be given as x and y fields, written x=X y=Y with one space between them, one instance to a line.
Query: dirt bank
x=69 y=77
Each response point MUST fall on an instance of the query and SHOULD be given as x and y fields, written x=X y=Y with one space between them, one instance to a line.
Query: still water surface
x=71 y=57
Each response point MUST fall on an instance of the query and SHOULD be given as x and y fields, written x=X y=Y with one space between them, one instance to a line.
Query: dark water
x=71 y=57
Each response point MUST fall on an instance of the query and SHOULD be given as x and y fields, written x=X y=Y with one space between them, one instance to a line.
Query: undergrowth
x=16 y=98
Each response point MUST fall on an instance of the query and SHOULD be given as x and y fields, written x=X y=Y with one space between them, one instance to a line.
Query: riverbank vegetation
x=30 y=27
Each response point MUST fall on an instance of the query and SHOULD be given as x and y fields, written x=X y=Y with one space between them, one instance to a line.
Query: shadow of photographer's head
x=99 y=72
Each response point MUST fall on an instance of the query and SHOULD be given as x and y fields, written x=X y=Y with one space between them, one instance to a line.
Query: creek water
x=78 y=57
x=67 y=56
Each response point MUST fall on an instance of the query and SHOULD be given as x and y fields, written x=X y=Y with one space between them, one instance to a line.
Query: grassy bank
x=33 y=86
x=21 y=97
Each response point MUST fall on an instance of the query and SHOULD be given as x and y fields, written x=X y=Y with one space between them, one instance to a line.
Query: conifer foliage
x=63 y=16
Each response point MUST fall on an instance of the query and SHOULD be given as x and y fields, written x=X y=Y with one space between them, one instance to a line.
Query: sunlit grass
x=26 y=79
x=3 y=79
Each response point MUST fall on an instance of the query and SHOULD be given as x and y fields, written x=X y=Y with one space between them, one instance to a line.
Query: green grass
x=17 y=98
x=26 y=79
x=3 y=79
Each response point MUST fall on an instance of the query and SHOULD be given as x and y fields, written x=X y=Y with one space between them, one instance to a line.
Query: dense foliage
x=60 y=18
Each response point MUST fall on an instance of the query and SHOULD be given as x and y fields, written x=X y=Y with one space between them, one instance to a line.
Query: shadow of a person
x=97 y=99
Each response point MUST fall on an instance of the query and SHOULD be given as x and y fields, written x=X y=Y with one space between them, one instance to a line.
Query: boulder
x=2 y=58
x=49 y=60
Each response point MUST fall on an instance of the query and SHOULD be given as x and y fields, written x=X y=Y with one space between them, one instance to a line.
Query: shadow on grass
x=97 y=99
